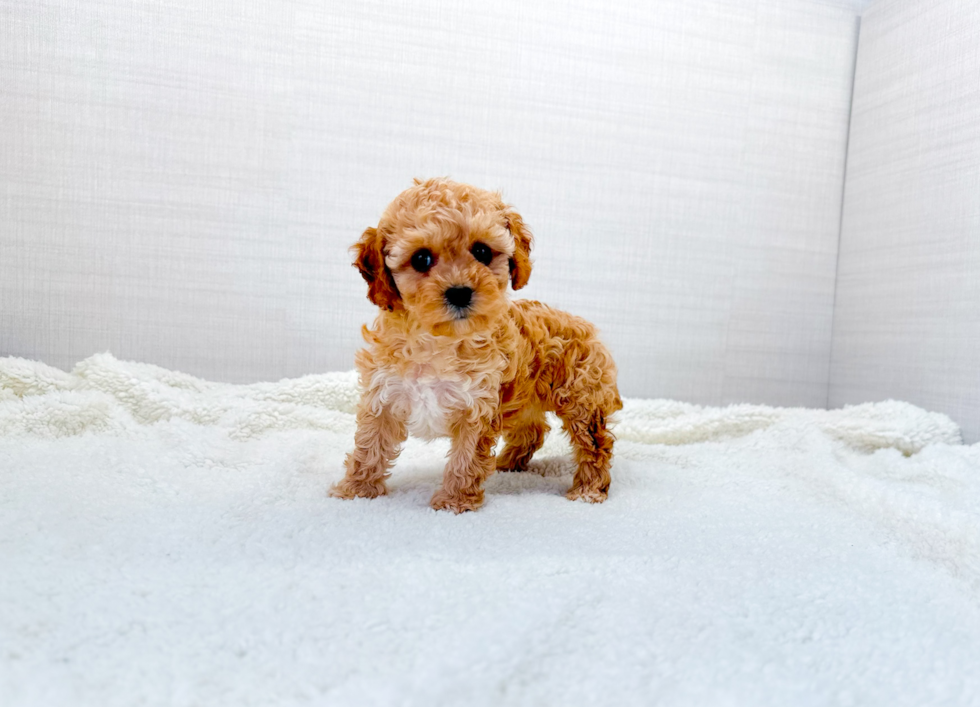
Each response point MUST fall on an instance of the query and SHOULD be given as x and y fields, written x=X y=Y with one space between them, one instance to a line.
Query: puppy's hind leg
x=522 y=440
x=592 y=444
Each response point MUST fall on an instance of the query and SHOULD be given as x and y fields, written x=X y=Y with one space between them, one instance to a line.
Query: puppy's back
x=567 y=358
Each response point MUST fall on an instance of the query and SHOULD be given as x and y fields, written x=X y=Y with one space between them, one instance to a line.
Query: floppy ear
x=520 y=262
x=370 y=261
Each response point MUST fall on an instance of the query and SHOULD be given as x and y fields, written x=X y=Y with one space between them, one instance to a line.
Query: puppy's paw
x=584 y=493
x=460 y=503
x=348 y=489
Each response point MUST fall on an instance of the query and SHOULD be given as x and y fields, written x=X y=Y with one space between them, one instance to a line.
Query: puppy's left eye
x=482 y=252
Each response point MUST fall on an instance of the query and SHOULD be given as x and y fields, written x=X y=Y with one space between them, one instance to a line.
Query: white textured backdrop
x=179 y=181
x=907 y=323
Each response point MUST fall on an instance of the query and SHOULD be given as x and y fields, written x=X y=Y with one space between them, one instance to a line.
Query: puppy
x=450 y=355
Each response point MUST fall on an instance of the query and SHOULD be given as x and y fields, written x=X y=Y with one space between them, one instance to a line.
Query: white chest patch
x=425 y=403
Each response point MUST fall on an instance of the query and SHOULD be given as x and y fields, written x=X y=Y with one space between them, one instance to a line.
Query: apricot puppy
x=451 y=355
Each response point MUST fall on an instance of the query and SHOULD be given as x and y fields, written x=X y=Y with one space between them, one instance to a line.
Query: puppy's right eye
x=422 y=260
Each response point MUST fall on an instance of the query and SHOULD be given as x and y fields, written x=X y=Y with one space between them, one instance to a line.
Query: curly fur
x=495 y=368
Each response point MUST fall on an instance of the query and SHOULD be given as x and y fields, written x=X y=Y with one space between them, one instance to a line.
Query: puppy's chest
x=426 y=403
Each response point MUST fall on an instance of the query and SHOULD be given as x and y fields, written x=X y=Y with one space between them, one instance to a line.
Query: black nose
x=459 y=296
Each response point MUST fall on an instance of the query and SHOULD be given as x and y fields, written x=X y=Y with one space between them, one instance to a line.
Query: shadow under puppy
x=451 y=355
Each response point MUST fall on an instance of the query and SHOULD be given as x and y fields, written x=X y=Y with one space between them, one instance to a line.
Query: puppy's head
x=444 y=252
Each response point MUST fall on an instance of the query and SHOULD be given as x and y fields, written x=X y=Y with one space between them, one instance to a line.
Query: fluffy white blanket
x=167 y=540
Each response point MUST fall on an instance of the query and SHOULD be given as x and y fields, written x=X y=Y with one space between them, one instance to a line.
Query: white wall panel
x=907 y=321
x=180 y=181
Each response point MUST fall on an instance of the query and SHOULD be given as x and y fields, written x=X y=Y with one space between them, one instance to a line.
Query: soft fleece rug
x=166 y=540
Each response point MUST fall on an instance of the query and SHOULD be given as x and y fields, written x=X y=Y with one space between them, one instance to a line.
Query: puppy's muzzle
x=459 y=297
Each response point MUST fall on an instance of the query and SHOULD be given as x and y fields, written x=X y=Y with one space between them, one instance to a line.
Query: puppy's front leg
x=470 y=464
x=376 y=444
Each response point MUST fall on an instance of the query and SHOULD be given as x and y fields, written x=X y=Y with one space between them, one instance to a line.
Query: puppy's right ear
x=370 y=261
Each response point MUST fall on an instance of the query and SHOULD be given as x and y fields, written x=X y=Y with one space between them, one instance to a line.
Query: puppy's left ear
x=370 y=261
x=520 y=262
